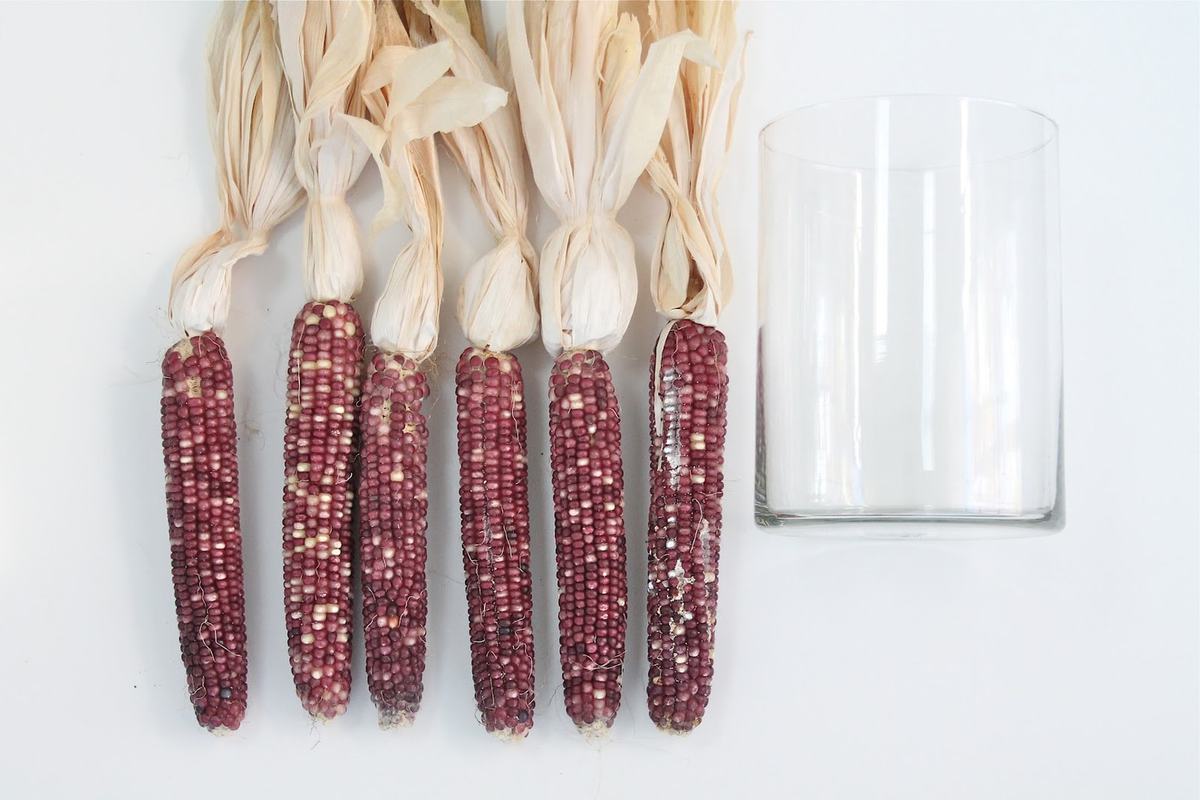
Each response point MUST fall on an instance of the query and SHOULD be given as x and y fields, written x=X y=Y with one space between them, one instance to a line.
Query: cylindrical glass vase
x=910 y=345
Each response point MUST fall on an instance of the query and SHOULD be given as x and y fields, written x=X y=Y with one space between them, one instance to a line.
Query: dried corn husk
x=497 y=305
x=592 y=114
x=690 y=273
x=324 y=46
x=250 y=123
x=409 y=98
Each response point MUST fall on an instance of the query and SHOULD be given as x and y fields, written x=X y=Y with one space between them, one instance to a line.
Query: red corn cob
x=394 y=503
x=687 y=443
x=493 y=498
x=319 y=439
x=589 y=536
x=200 y=449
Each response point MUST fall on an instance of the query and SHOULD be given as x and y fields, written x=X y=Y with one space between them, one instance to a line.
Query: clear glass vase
x=910 y=345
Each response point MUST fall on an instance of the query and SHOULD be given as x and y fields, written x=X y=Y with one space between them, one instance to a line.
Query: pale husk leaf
x=324 y=45
x=497 y=304
x=409 y=99
x=691 y=276
x=592 y=113
x=251 y=128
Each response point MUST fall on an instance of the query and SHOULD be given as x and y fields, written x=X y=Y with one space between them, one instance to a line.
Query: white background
x=1063 y=667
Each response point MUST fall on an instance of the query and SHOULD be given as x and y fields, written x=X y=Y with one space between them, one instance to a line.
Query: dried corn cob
x=691 y=282
x=324 y=376
x=588 y=141
x=252 y=137
x=324 y=46
x=392 y=529
x=494 y=503
x=200 y=447
x=498 y=312
x=688 y=389
x=408 y=101
x=589 y=535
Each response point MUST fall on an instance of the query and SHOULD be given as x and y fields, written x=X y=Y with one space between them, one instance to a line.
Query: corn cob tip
x=324 y=715
x=674 y=729
x=390 y=719
x=221 y=731
x=595 y=731
x=515 y=734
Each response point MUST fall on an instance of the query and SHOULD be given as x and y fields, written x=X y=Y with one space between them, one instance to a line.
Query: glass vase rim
x=1050 y=138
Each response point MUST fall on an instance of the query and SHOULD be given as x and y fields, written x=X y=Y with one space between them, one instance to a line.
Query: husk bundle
x=409 y=98
x=250 y=124
x=690 y=273
x=497 y=304
x=325 y=45
x=592 y=113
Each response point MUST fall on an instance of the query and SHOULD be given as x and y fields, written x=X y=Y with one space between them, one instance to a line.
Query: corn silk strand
x=252 y=133
x=325 y=46
x=592 y=113
x=409 y=98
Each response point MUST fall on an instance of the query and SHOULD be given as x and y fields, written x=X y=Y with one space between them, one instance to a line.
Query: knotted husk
x=409 y=98
x=592 y=113
x=250 y=124
x=497 y=304
x=690 y=272
x=325 y=45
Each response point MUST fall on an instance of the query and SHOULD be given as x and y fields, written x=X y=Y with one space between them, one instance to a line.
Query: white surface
x=1063 y=667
